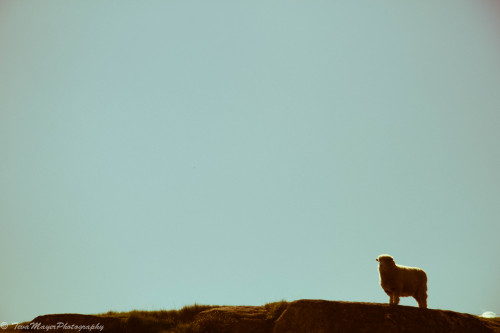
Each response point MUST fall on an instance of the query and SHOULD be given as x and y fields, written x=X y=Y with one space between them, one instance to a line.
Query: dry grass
x=181 y=321
x=172 y=321
x=184 y=320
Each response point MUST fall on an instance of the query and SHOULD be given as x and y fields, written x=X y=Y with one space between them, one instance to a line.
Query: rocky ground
x=303 y=316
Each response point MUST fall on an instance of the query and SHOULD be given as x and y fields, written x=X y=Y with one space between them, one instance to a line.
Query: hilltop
x=302 y=316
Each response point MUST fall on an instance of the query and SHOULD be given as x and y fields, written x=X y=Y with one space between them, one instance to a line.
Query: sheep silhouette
x=401 y=281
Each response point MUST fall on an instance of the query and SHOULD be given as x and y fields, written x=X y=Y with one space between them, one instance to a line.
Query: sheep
x=401 y=281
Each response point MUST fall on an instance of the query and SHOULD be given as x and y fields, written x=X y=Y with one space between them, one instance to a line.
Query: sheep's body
x=401 y=281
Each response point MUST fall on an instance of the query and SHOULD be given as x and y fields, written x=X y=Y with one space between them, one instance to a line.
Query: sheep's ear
x=376 y=259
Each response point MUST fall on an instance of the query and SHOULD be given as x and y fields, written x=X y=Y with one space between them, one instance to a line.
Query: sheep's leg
x=392 y=299
x=395 y=298
x=422 y=303
x=422 y=300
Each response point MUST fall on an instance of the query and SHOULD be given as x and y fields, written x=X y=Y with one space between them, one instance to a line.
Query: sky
x=157 y=154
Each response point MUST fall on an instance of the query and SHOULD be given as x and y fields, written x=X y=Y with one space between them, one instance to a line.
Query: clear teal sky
x=154 y=154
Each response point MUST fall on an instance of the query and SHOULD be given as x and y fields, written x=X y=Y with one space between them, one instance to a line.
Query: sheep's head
x=385 y=261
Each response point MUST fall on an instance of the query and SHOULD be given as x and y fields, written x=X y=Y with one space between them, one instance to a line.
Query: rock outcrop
x=255 y=319
x=303 y=316
x=325 y=316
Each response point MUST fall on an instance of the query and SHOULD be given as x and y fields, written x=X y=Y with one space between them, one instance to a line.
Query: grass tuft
x=275 y=309
x=172 y=321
